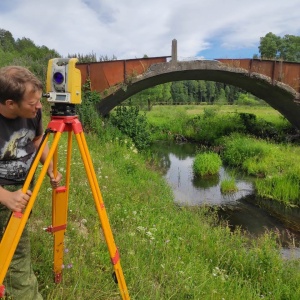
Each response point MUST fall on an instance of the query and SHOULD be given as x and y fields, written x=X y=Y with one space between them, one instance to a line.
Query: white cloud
x=132 y=28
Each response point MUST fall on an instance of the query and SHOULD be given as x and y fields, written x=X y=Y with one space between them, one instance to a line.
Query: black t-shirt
x=16 y=147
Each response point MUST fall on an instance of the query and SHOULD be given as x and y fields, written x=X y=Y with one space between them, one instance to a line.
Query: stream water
x=240 y=209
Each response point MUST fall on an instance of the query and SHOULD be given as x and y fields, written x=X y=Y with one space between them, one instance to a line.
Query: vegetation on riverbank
x=255 y=140
x=167 y=252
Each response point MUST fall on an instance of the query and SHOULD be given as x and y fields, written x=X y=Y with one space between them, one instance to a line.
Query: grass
x=276 y=166
x=206 y=164
x=228 y=185
x=208 y=123
x=167 y=252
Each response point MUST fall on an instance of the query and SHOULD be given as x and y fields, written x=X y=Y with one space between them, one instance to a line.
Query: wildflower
x=141 y=228
x=148 y=233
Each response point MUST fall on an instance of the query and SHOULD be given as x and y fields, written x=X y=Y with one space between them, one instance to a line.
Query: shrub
x=134 y=125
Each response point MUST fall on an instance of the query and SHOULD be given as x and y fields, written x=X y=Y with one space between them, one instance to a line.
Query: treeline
x=24 y=52
x=193 y=92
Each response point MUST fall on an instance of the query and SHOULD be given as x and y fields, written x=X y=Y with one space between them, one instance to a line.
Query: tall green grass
x=167 y=252
x=276 y=166
x=206 y=164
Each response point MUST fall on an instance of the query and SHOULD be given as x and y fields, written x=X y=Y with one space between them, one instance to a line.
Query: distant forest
x=26 y=53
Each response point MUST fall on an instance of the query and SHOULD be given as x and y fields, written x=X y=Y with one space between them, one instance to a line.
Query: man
x=20 y=135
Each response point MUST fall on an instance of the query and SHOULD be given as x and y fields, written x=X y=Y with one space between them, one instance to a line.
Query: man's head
x=20 y=92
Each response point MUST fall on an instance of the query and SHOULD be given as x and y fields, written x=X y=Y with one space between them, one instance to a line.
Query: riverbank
x=167 y=252
x=255 y=140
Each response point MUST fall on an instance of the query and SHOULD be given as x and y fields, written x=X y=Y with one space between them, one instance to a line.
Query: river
x=240 y=209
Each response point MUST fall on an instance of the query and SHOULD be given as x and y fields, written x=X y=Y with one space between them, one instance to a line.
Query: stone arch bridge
x=278 y=83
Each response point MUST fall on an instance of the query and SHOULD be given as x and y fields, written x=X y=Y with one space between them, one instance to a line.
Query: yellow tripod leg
x=113 y=251
x=18 y=221
x=58 y=228
x=59 y=215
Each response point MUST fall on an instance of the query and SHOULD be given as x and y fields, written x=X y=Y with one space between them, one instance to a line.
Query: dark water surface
x=240 y=208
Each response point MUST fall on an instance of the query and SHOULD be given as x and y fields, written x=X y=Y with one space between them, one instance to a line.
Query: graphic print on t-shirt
x=16 y=155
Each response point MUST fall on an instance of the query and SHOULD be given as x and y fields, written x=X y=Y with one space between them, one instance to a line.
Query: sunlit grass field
x=167 y=252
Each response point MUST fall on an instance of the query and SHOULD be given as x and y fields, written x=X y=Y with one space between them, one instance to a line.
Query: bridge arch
x=278 y=95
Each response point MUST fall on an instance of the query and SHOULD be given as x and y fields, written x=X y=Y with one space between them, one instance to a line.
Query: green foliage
x=248 y=99
x=214 y=126
x=276 y=166
x=91 y=57
x=167 y=252
x=24 y=52
x=228 y=185
x=269 y=46
x=207 y=163
x=276 y=47
x=134 y=125
x=239 y=148
x=88 y=114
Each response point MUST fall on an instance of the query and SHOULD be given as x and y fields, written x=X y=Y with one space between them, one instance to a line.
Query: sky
x=127 y=29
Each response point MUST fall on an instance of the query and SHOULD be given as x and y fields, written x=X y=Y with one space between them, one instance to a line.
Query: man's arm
x=54 y=180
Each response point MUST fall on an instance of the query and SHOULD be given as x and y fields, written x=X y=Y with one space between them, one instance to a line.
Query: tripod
x=61 y=121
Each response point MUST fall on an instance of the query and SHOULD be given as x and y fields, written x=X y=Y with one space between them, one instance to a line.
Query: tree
x=290 y=48
x=285 y=48
x=7 y=42
x=269 y=47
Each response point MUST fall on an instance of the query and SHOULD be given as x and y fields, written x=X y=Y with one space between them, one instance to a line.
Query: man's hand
x=54 y=181
x=15 y=201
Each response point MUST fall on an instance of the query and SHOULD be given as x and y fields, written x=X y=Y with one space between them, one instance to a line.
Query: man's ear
x=10 y=103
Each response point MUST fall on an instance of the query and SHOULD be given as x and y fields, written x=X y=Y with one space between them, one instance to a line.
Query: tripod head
x=63 y=86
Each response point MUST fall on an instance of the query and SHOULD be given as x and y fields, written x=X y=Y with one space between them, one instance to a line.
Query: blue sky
x=130 y=29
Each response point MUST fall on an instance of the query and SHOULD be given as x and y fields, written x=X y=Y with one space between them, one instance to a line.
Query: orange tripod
x=17 y=222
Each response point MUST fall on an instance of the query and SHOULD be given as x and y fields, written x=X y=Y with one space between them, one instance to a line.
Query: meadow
x=167 y=252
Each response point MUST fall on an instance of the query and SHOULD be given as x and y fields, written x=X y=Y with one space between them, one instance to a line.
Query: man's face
x=30 y=104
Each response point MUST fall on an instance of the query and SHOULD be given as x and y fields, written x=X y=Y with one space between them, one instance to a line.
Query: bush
x=132 y=124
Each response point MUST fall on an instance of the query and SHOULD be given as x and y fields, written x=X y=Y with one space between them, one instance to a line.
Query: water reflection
x=190 y=190
x=177 y=163
x=238 y=208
